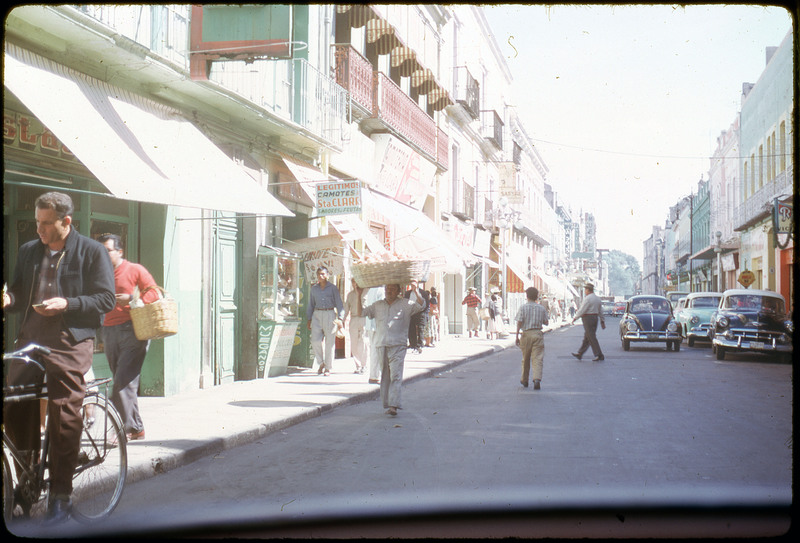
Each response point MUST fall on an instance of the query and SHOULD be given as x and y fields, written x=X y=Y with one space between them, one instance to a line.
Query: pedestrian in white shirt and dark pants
x=392 y=316
x=591 y=309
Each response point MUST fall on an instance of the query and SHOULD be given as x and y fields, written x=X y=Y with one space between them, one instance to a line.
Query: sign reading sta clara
x=339 y=198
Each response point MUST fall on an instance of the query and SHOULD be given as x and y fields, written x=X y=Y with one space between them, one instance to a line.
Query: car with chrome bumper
x=694 y=317
x=752 y=321
x=649 y=319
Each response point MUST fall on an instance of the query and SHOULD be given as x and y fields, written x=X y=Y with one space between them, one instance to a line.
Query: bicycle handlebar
x=24 y=354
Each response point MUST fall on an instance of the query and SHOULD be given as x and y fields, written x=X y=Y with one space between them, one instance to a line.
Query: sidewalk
x=183 y=428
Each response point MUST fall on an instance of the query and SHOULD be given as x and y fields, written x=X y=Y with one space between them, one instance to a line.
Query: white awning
x=351 y=228
x=420 y=235
x=307 y=176
x=140 y=150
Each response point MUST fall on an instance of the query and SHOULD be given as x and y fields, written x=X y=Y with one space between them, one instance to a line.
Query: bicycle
x=102 y=461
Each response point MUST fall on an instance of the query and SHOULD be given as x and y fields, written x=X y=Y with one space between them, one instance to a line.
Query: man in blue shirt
x=324 y=315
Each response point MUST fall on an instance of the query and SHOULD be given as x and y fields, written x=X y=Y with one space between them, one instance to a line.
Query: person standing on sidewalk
x=359 y=342
x=473 y=302
x=63 y=285
x=531 y=318
x=324 y=317
x=126 y=353
x=392 y=316
x=590 y=310
x=416 y=328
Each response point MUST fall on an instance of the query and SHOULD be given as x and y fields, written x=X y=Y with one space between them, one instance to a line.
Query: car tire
x=626 y=345
x=676 y=346
x=690 y=341
x=720 y=353
x=668 y=346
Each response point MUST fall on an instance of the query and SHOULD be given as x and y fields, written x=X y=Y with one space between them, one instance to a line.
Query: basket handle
x=161 y=292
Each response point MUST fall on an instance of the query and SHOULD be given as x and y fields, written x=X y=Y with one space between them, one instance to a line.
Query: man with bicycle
x=63 y=285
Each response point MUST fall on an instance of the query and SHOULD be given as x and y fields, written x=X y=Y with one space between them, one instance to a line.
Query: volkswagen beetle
x=695 y=317
x=649 y=319
x=752 y=321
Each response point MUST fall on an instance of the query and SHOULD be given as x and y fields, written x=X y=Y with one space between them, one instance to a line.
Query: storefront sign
x=401 y=173
x=782 y=217
x=339 y=198
x=324 y=251
x=26 y=132
x=746 y=278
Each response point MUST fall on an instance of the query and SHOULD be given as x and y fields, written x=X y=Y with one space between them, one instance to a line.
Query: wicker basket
x=155 y=320
x=375 y=274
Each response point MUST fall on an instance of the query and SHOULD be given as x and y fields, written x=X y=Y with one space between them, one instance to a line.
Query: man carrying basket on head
x=126 y=353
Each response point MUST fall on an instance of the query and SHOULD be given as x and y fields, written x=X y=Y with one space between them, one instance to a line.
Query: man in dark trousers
x=63 y=285
x=590 y=310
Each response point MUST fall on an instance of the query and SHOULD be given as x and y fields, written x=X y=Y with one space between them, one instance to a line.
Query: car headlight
x=632 y=327
x=723 y=322
x=789 y=326
x=672 y=327
x=695 y=319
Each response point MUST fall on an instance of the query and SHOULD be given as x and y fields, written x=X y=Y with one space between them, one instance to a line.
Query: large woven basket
x=375 y=274
x=155 y=320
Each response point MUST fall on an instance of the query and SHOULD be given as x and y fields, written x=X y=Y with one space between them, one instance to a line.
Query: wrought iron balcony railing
x=492 y=128
x=398 y=111
x=757 y=206
x=467 y=91
x=354 y=74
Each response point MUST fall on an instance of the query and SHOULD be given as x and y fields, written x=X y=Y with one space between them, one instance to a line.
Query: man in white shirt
x=392 y=316
x=590 y=310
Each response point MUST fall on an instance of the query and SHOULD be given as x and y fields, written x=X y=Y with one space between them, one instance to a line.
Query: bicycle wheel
x=102 y=461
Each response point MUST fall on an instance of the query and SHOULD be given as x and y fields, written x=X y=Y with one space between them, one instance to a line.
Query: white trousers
x=392 y=361
x=323 y=327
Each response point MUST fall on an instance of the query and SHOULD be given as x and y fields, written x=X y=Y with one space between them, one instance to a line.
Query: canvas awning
x=420 y=235
x=139 y=149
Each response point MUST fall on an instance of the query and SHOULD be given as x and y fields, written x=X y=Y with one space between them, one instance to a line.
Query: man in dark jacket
x=63 y=284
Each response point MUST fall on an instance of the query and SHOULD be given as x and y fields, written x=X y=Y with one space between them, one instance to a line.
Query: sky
x=625 y=103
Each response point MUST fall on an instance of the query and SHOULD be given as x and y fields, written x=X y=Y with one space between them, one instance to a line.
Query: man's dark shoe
x=58 y=511
x=598 y=358
x=576 y=355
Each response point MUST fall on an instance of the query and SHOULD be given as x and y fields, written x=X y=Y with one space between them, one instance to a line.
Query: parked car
x=619 y=309
x=752 y=321
x=695 y=315
x=675 y=296
x=649 y=319
x=608 y=308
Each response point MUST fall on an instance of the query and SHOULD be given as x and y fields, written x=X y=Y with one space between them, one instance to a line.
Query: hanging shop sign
x=401 y=173
x=746 y=278
x=782 y=217
x=339 y=198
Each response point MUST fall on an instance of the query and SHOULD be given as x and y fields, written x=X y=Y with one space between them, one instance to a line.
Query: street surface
x=644 y=423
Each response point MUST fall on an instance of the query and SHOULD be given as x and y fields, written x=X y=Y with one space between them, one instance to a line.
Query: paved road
x=644 y=424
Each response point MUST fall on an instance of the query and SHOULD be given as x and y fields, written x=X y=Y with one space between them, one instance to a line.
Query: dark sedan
x=752 y=321
x=649 y=319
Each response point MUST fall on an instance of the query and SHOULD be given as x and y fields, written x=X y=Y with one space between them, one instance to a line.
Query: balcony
x=759 y=205
x=354 y=74
x=291 y=89
x=395 y=110
x=164 y=29
x=492 y=128
x=442 y=150
x=467 y=91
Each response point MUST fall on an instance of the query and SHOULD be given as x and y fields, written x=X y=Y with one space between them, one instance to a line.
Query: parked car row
x=738 y=320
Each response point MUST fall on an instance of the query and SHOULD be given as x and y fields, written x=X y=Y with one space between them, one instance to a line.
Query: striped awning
x=360 y=14
x=381 y=33
x=405 y=60
x=423 y=80
x=439 y=98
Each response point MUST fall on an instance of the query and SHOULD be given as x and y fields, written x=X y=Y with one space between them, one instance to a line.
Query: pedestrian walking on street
x=531 y=318
x=63 y=285
x=359 y=342
x=472 y=302
x=324 y=318
x=416 y=328
x=373 y=295
x=392 y=316
x=126 y=353
x=591 y=309
x=431 y=333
